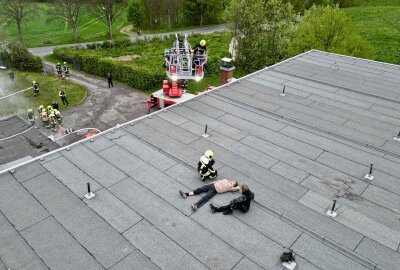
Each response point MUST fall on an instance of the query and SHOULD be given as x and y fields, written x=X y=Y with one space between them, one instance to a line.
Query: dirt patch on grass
x=124 y=58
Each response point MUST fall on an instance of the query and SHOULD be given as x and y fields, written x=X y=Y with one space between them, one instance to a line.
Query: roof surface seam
x=346 y=252
x=340 y=87
x=23 y=238
x=179 y=161
x=356 y=58
x=377 y=148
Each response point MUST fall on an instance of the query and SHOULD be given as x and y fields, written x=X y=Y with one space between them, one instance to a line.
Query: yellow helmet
x=58 y=63
x=65 y=63
x=203 y=42
x=29 y=110
x=33 y=82
x=209 y=153
x=41 y=107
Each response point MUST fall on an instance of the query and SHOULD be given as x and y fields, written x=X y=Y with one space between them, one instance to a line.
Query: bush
x=328 y=29
x=138 y=78
x=14 y=56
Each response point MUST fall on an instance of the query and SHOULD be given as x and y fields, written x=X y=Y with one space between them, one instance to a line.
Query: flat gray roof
x=18 y=140
x=297 y=153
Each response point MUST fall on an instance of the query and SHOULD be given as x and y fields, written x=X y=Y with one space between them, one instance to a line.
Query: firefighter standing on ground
x=63 y=97
x=31 y=118
x=45 y=118
x=35 y=88
x=66 y=69
x=59 y=69
x=53 y=122
x=58 y=117
x=205 y=166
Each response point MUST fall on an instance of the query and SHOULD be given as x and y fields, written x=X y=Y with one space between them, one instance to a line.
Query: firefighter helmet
x=203 y=42
x=209 y=153
x=29 y=110
x=33 y=82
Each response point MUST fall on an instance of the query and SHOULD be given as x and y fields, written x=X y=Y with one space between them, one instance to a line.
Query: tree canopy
x=327 y=28
x=262 y=29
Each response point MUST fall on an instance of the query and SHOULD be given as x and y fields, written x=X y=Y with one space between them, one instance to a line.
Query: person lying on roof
x=241 y=203
x=219 y=186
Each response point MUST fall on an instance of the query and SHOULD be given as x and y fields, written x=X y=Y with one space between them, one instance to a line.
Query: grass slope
x=49 y=87
x=379 y=24
x=42 y=30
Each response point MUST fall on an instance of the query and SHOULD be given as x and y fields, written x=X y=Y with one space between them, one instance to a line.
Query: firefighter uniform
x=200 y=48
x=49 y=110
x=205 y=166
x=58 y=117
x=53 y=121
x=31 y=117
x=59 y=69
x=66 y=69
x=40 y=109
x=45 y=118
x=35 y=88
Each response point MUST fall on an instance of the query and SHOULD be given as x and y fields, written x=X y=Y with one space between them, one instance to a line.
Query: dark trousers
x=64 y=100
x=110 y=83
x=210 y=192
x=238 y=206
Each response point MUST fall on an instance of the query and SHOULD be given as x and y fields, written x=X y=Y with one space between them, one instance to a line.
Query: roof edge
x=145 y=116
x=354 y=57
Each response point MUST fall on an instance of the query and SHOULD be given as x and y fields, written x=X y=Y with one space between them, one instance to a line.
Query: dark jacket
x=198 y=49
x=244 y=206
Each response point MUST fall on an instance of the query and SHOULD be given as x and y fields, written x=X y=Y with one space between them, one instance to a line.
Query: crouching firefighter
x=205 y=166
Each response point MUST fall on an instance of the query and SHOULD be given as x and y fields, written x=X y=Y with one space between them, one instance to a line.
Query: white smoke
x=13 y=105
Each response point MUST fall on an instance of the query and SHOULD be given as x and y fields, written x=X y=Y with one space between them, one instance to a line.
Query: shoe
x=228 y=212
x=216 y=173
x=182 y=194
x=194 y=207
x=213 y=208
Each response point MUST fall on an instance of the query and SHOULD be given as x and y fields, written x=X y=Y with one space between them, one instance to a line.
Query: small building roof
x=19 y=141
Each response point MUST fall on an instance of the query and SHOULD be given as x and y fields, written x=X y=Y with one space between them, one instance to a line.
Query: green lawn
x=149 y=56
x=43 y=31
x=379 y=24
x=49 y=87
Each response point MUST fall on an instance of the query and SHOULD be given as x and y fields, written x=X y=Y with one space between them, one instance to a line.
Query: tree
x=16 y=11
x=136 y=14
x=170 y=7
x=302 y=5
x=68 y=10
x=262 y=29
x=278 y=27
x=328 y=29
x=15 y=56
x=108 y=11
x=204 y=11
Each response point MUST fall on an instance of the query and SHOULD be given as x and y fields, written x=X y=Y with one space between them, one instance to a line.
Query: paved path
x=103 y=107
x=42 y=51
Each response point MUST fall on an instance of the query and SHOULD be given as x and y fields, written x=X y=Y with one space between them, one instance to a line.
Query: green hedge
x=14 y=56
x=138 y=78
